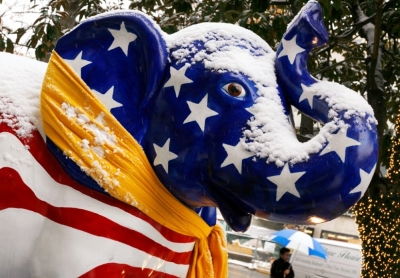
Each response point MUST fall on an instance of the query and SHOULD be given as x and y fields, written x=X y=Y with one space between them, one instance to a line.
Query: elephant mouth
x=235 y=212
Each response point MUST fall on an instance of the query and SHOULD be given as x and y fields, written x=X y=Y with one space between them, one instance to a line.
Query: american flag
x=54 y=227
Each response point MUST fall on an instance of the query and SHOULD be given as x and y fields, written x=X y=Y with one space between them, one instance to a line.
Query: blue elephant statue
x=209 y=106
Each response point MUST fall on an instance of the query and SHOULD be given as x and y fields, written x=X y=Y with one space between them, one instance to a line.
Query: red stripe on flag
x=123 y=271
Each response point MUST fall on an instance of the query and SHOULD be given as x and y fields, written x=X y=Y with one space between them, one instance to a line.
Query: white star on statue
x=307 y=94
x=339 y=142
x=78 y=63
x=290 y=49
x=107 y=99
x=199 y=112
x=285 y=182
x=122 y=38
x=236 y=154
x=365 y=180
x=178 y=78
x=163 y=155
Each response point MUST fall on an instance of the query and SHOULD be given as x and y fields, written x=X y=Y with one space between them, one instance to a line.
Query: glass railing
x=254 y=251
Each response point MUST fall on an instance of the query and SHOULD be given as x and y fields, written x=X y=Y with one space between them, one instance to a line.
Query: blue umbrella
x=299 y=241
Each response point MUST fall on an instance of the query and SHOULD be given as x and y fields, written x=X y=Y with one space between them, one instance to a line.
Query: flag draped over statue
x=81 y=126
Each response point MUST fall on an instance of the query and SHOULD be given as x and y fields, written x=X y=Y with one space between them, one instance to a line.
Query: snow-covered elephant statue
x=115 y=154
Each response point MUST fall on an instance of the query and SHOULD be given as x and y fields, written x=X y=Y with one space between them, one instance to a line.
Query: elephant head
x=210 y=106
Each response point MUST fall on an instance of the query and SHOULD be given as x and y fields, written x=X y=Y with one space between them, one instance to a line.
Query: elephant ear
x=121 y=56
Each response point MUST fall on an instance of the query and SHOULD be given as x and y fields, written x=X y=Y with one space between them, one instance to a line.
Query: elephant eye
x=235 y=90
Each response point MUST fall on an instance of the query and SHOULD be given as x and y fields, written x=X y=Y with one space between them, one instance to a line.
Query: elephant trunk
x=318 y=180
x=291 y=62
x=321 y=100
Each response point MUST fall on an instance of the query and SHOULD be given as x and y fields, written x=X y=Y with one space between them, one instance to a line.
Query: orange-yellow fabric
x=80 y=125
x=206 y=252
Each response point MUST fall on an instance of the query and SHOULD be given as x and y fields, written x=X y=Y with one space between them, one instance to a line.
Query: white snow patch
x=97 y=128
x=103 y=139
x=100 y=118
x=129 y=199
x=271 y=136
x=102 y=136
x=69 y=110
x=103 y=174
x=83 y=119
x=20 y=84
x=85 y=144
x=227 y=48
x=340 y=98
x=98 y=150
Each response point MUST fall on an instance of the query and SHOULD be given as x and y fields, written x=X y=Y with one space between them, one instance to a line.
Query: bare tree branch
x=358 y=25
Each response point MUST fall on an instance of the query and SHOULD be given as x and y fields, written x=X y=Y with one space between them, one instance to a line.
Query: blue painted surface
x=154 y=114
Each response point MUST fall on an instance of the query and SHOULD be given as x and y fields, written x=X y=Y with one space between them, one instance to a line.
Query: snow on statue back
x=212 y=118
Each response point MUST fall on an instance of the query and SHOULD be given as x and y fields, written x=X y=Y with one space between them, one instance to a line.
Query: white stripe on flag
x=34 y=246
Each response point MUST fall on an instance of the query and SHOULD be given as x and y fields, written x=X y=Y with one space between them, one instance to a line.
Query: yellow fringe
x=80 y=125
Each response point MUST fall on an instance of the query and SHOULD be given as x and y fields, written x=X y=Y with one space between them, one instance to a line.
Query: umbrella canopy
x=299 y=241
